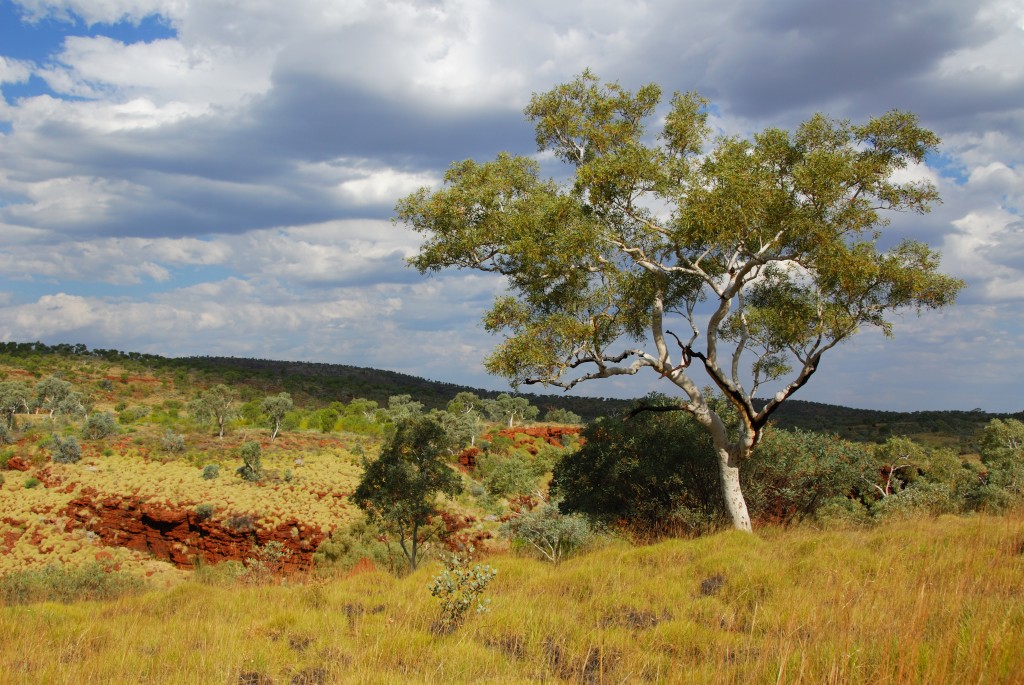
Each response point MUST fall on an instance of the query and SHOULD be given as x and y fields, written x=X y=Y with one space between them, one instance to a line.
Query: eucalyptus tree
x=761 y=253
x=216 y=405
x=275 y=408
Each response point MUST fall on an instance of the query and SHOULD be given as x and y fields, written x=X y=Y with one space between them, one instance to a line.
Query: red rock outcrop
x=17 y=463
x=185 y=537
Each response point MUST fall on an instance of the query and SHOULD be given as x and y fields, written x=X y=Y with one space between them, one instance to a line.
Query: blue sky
x=212 y=177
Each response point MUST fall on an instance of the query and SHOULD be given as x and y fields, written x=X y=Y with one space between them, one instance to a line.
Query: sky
x=216 y=177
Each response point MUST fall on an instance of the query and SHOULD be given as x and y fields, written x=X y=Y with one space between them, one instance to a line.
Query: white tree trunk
x=729 y=471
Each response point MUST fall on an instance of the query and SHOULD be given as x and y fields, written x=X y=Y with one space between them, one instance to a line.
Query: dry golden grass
x=931 y=601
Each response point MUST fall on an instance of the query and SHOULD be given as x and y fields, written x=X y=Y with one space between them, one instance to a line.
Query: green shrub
x=252 y=468
x=173 y=443
x=360 y=540
x=458 y=587
x=654 y=473
x=267 y=562
x=65 y=450
x=211 y=471
x=132 y=414
x=62 y=584
x=925 y=499
x=508 y=476
x=204 y=511
x=31 y=482
x=99 y=425
x=6 y=436
x=548 y=531
x=793 y=472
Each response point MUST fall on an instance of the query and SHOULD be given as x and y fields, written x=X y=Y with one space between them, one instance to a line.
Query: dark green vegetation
x=340 y=383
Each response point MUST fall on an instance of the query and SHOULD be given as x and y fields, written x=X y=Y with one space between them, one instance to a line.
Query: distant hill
x=311 y=382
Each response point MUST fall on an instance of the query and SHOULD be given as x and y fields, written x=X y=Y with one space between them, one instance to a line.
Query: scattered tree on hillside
x=399 y=489
x=748 y=261
x=14 y=398
x=508 y=409
x=216 y=406
x=275 y=408
x=50 y=393
x=470 y=409
x=403 y=408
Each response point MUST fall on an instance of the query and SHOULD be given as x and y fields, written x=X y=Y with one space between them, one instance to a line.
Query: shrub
x=926 y=499
x=31 y=482
x=508 y=476
x=548 y=531
x=267 y=562
x=793 y=472
x=458 y=587
x=252 y=468
x=61 y=584
x=6 y=437
x=204 y=511
x=654 y=473
x=132 y=414
x=99 y=426
x=211 y=471
x=360 y=540
x=173 y=443
x=65 y=450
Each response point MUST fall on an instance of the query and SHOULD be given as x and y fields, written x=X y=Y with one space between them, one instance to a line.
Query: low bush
x=99 y=425
x=549 y=532
x=62 y=584
x=349 y=545
x=252 y=467
x=211 y=471
x=458 y=587
x=65 y=450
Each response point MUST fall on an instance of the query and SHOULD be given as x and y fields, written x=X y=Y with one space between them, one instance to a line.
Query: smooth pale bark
x=735 y=504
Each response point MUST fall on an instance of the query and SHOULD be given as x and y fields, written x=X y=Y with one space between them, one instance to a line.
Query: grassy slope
x=933 y=601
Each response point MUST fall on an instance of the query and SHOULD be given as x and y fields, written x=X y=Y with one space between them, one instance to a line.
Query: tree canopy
x=761 y=253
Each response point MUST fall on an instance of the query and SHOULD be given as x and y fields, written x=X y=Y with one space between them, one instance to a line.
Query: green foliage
x=508 y=409
x=204 y=511
x=14 y=398
x=6 y=435
x=402 y=408
x=399 y=489
x=768 y=249
x=100 y=425
x=215 y=406
x=252 y=466
x=266 y=563
x=61 y=584
x=459 y=587
x=549 y=532
x=130 y=415
x=506 y=476
x=65 y=450
x=359 y=540
x=562 y=416
x=323 y=420
x=211 y=471
x=172 y=443
x=792 y=473
x=654 y=473
x=275 y=409
x=31 y=482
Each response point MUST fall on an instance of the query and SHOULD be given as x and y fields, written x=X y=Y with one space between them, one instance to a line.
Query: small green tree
x=14 y=398
x=99 y=426
x=49 y=393
x=399 y=489
x=275 y=409
x=508 y=409
x=215 y=406
x=548 y=531
x=458 y=587
x=252 y=463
